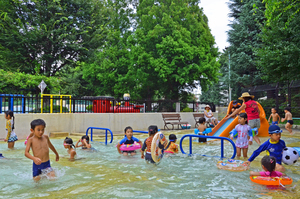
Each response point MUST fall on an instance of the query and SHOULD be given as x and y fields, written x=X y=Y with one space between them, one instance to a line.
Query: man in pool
x=40 y=145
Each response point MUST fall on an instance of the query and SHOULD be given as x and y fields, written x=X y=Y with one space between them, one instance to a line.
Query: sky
x=217 y=13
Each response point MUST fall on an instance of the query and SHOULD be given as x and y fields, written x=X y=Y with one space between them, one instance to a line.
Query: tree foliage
x=42 y=36
x=280 y=54
x=244 y=39
x=15 y=82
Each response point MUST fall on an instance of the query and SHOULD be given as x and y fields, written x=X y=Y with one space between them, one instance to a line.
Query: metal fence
x=87 y=104
x=279 y=96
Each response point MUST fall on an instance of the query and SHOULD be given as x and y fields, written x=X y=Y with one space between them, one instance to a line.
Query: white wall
x=79 y=122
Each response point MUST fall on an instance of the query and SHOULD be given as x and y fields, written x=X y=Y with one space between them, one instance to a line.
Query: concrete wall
x=78 y=123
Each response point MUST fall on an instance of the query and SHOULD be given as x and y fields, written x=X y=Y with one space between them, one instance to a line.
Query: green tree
x=280 y=54
x=109 y=68
x=244 y=39
x=44 y=36
x=171 y=49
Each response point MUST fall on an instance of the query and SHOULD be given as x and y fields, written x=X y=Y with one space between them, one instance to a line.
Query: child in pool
x=40 y=145
x=275 y=117
x=128 y=139
x=268 y=163
x=147 y=144
x=202 y=128
x=10 y=126
x=244 y=133
x=289 y=118
x=172 y=147
x=68 y=144
x=85 y=142
x=273 y=146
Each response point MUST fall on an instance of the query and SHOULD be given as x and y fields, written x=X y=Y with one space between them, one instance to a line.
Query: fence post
x=177 y=106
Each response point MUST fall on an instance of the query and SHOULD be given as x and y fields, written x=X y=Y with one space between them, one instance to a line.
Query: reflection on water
x=106 y=174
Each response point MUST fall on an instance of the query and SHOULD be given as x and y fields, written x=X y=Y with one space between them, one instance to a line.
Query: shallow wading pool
x=106 y=174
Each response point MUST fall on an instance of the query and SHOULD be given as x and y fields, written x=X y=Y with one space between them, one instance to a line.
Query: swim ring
x=156 y=152
x=283 y=180
x=130 y=147
x=232 y=165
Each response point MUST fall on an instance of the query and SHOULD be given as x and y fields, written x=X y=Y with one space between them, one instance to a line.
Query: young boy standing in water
x=40 y=145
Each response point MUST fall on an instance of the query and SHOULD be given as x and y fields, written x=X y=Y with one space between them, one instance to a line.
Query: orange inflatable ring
x=283 y=180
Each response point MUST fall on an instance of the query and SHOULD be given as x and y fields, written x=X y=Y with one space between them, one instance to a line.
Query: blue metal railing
x=11 y=102
x=213 y=137
x=106 y=129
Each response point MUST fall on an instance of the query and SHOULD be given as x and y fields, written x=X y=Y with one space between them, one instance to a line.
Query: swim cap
x=274 y=129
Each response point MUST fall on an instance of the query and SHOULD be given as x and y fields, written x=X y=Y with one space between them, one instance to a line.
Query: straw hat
x=207 y=106
x=246 y=94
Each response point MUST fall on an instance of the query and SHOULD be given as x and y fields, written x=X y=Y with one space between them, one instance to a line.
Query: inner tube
x=156 y=152
x=232 y=165
x=130 y=147
x=283 y=180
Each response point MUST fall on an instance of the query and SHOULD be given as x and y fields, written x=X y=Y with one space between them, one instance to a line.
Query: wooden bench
x=196 y=117
x=172 y=119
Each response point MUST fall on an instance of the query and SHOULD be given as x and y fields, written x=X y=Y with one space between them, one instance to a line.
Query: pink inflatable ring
x=130 y=147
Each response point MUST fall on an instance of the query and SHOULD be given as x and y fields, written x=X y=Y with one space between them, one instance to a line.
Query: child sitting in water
x=40 y=145
x=268 y=163
x=172 y=147
x=289 y=118
x=68 y=144
x=85 y=142
x=202 y=128
x=273 y=146
x=244 y=133
x=147 y=144
x=129 y=139
x=275 y=117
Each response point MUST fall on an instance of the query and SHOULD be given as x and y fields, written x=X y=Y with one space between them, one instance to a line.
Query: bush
x=187 y=109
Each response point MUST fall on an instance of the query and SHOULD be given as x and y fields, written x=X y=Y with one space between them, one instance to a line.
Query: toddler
x=85 y=142
x=11 y=135
x=268 y=163
x=129 y=139
x=244 y=133
x=275 y=117
x=289 y=118
x=68 y=144
x=172 y=147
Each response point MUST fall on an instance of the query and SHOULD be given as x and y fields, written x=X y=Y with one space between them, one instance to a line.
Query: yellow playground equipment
x=56 y=97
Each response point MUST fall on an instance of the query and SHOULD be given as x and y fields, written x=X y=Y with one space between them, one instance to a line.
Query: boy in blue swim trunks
x=275 y=116
x=128 y=139
x=40 y=145
x=273 y=146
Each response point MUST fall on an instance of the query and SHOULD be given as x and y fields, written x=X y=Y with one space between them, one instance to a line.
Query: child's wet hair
x=245 y=116
x=201 y=120
x=152 y=129
x=269 y=162
x=128 y=127
x=69 y=141
x=172 y=137
x=11 y=114
x=37 y=122
x=86 y=137
x=274 y=109
x=288 y=108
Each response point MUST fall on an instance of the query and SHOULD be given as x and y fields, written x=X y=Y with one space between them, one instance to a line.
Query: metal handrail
x=213 y=137
x=106 y=129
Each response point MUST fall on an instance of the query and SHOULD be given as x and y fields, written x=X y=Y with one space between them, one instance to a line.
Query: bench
x=172 y=119
x=196 y=117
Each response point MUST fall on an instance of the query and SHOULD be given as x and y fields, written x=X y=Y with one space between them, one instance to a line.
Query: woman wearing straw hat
x=251 y=108
x=209 y=116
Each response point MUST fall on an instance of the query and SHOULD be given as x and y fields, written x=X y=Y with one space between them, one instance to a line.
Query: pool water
x=104 y=173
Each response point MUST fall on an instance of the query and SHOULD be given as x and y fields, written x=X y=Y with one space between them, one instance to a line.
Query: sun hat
x=207 y=106
x=274 y=129
x=246 y=94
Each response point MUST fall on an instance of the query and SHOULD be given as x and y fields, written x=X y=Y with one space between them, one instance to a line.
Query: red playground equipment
x=104 y=104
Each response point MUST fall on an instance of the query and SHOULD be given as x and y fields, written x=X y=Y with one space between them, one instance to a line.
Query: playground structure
x=61 y=98
x=225 y=126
